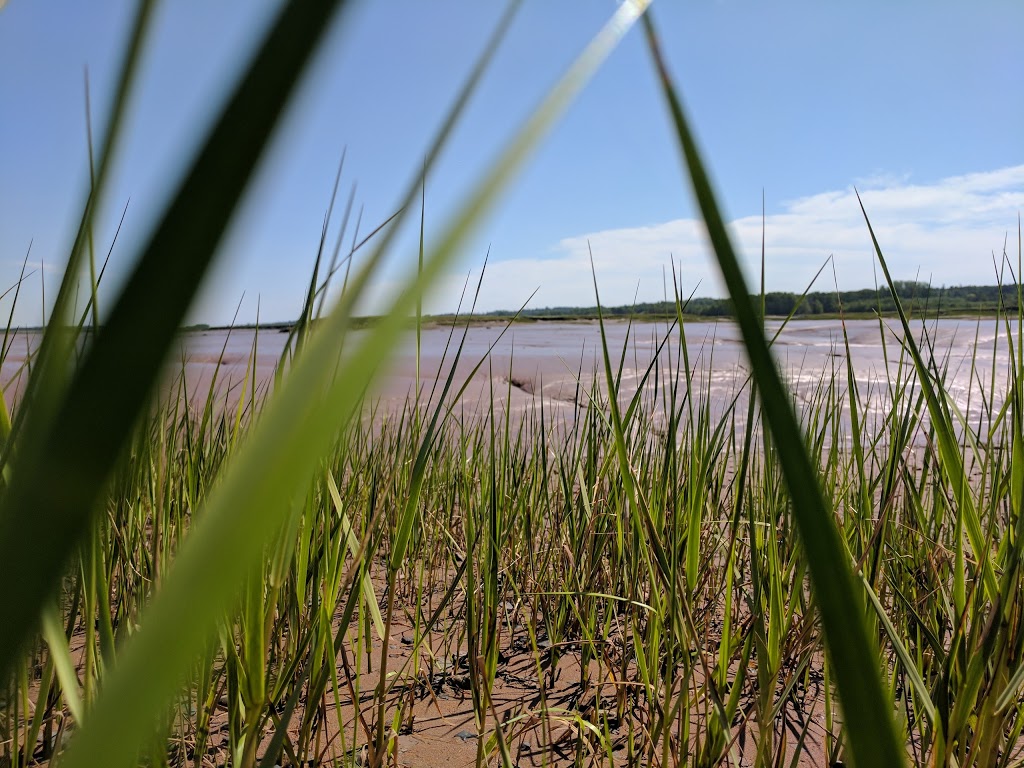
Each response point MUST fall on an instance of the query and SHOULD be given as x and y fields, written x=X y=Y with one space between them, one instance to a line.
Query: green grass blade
x=907 y=662
x=64 y=665
x=57 y=343
x=868 y=710
x=275 y=464
x=61 y=467
x=50 y=370
x=369 y=597
x=951 y=459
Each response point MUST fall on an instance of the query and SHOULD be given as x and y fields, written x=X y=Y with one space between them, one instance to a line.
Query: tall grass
x=304 y=574
x=526 y=560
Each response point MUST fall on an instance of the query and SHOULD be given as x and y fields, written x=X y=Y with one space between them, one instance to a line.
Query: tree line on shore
x=919 y=296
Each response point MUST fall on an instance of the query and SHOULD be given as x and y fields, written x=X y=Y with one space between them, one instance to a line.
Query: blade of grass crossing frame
x=52 y=357
x=868 y=711
x=19 y=532
x=51 y=370
x=275 y=463
x=62 y=466
x=952 y=463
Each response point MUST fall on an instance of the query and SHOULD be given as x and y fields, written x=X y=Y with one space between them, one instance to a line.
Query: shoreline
x=612 y=315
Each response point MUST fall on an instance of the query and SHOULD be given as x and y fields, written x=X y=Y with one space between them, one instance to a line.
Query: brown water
x=554 y=363
x=546 y=360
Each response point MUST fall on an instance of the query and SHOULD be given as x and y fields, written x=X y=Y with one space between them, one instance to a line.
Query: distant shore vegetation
x=919 y=296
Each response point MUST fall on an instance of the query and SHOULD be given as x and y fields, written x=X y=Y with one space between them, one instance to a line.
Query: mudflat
x=552 y=362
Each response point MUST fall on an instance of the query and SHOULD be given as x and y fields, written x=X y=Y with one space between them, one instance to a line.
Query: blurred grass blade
x=868 y=711
x=62 y=464
x=276 y=462
x=55 y=347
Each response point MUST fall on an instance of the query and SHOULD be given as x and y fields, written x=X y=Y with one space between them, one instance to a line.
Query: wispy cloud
x=944 y=231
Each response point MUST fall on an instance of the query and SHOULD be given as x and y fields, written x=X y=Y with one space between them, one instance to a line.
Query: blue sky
x=918 y=104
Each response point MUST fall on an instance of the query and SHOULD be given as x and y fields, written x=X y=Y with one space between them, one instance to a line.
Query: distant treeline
x=967 y=299
x=917 y=297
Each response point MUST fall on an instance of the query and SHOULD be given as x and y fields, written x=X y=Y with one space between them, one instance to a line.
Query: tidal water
x=555 y=365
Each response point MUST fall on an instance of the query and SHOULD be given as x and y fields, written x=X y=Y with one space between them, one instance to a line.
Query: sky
x=795 y=104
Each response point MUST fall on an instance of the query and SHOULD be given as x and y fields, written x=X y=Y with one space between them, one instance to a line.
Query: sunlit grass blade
x=278 y=460
x=867 y=709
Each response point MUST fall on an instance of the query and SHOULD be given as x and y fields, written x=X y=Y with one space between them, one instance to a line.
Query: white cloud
x=944 y=231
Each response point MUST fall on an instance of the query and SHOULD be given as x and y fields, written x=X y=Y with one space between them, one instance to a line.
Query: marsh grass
x=528 y=545
x=300 y=574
